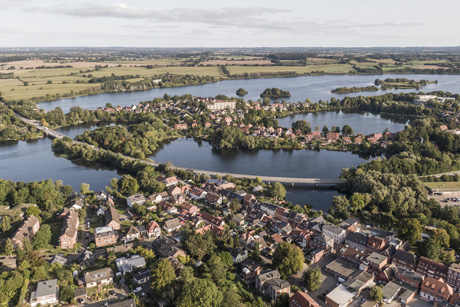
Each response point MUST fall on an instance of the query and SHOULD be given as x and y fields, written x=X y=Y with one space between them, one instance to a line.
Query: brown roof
x=442 y=268
x=25 y=231
x=302 y=299
x=437 y=285
x=70 y=224
x=111 y=214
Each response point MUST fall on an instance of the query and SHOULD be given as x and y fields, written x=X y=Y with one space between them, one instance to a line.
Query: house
x=390 y=292
x=27 y=230
x=100 y=211
x=112 y=219
x=435 y=290
x=167 y=207
x=322 y=242
x=104 y=236
x=376 y=262
x=135 y=199
x=332 y=137
x=431 y=268
x=141 y=277
x=100 y=195
x=86 y=259
x=276 y=287
x=100 y=277
x=341 y=268
x=404 y=260
x=387 y=274
x=174 y=190
x=80 y=294
x=133 y=233
x=163 y=248
x=453 y=276
x=409 y=277
x=315 y=255
x=171 y=181
x=302 y=299
x=191 y=209
x=59 y=260
x=246 y=238
x=249 y=270
x=129 y=302
x=215 y=220
x=128 y=265
x=350 y=254
x=69 y=230
x=336 y=233
x=339 y=297
x=375 y=244
x=214 y=199
x=197 y=194
x=239 y=255
x=45 y=294
x=357 y=241
x=172 y=225
x=359 y=281
x=153 y=229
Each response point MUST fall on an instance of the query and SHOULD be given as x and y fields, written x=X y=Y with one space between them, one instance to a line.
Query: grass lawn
x=443 y=185
x=332 y=68
x=16 y=210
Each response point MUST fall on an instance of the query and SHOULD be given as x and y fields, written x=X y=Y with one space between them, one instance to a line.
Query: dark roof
x=357 y=238
x=406 y=257
x=163 y=248
x=111 y=214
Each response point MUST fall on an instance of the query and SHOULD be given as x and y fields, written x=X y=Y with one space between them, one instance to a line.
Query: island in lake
x=387 y=84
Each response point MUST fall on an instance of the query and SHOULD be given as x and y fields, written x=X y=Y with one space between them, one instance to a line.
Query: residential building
x=302 y=299
x=191 y=209
x=98 y=277
x=112 y=218
x=141 y=277
x=27 y=230
x=239 y=255
x=153 y=229
x=336 y=233
x=172 y=225
x=171 y=181
x=129 y=302
x=339 y=297
x=104 y=236
x=264 y=277
x=127 y=265
x=431 y=268
x=163 y=248
x=133 y=233
x=357 y=241
x=390 y=292
x=376 y=262
x=453 y=276
x=135 y=199
x=46 y=293
x=409 y=277
x=436 y=290
x=375 y=244
x=359 y=281
x=322 y=242
x=276 y=287
x=250 y=269
x=404 y=260
x=69 y=230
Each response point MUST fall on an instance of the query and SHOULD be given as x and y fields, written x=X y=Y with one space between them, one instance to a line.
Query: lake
x=365 y=123
x=313 y=87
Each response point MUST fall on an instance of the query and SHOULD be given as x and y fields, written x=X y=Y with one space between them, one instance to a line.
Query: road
x=317 y=181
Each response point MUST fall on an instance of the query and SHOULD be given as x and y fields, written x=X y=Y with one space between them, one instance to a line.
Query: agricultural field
x=332 y=69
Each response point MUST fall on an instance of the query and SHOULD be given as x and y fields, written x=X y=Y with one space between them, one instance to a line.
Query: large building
x=435 y=290
x=104 y=236
x=221 y=105
x=431 y=268
x=46 y=293
x=69 y=230
x=27 y=230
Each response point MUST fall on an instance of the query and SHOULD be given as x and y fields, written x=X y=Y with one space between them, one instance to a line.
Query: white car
x=137 y=289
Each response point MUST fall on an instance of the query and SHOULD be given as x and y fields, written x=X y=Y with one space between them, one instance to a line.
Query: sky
x=236 y=23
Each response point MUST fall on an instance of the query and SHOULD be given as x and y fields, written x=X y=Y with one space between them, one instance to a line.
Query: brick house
x=431 y=268
x=435 y=290
x=376 y=262
x=27 y=230
x=404 y=260
x=112 y=219
x=302 y=299
x=453 y=276
x=104 y=236
x=409 y=277
x=69 y=230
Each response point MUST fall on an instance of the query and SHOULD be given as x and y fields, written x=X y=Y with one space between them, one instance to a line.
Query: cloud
x=256 y=19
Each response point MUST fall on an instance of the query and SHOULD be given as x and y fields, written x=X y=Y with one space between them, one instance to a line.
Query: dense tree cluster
x=14 y=129
x=274 y=93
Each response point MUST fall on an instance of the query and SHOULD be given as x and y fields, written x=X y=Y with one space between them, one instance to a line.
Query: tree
x=278 y=191
x=282 y=301
x=43 y=237
x=84 y=188
x=234 y=205
x=441 y=237
x=128 y=185
x=226 y=259
x=411 y=230
x=312 y=278
x=33 y=210
x=67 y=293
x=200 y=293
x=217 y=269
x=430 y=249
x=339 y=208
x=376 y=294
x=301 y=125
x=358 y=201
x=325 y=129
x=6 y=223
x=288 y=259
x=241 y=92
x=9 y=247
x=347 y=130
x=447 y=257
x=163 y=276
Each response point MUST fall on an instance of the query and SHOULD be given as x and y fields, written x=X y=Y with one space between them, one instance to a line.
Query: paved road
x=326 y=181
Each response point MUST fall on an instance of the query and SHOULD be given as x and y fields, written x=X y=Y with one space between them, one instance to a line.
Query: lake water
x=313 y=87
x=365 y=123
x=35 y=161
